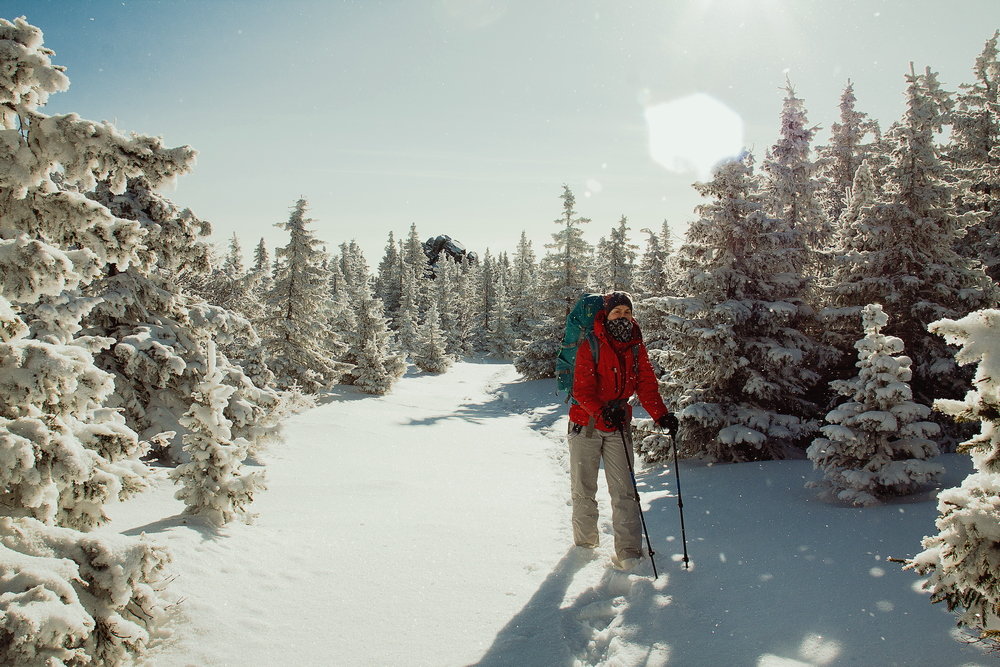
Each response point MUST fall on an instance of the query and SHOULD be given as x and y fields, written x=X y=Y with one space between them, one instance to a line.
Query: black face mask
x=620 y=329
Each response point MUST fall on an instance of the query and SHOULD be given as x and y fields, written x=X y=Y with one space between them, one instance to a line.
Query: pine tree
x=877 y=443
x=655 y=273
x=388 y=281
x=903 y=253
x=68 y=597
x=301 y=349
x=501 y=339
x=565 y=272
x=486 y=276
x=413 y=253
x=377 y=366
x=370 y=348
x=791 y=188
x=409 y=311
x=838 y=162
x=615 y=261
x=470 y=315
x=523 y=283
x=562 y=277
x=975 y=157
x=739 y=366
x=430 y=354
x=962 y=558
x=447 y=295
x=160 y=330
x=213 y=481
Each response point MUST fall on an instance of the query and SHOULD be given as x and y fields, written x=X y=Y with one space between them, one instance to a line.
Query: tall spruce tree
x=615 y=259
x=739 y=367
x=429 y=353
x=838 y=161
x=973 y=152
x=654 y=276
x=563 y=276
x=407 y=322
x=523 y=282
x=791 y=189
x=388 y=281
x=301 y=349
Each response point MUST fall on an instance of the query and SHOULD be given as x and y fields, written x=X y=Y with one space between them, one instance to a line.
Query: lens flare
x=693 y=134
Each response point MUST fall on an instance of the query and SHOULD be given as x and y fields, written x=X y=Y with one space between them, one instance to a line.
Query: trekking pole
x=635 y=488
x=680 y=499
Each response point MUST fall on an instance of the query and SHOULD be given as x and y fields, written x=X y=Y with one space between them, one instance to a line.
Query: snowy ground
x=431 y=527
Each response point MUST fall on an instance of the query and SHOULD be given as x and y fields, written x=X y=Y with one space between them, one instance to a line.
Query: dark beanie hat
x=613 y=299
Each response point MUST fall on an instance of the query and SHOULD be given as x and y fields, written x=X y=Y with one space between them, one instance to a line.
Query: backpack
x=579 y=324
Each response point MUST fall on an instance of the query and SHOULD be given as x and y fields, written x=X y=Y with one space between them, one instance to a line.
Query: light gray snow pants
x=585 y=454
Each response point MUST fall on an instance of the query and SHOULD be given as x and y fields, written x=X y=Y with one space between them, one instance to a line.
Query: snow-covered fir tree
x=614 y=261
x=903 y=255
x=501 y=340
x=739 y=367
x=68 y=597
x=388 y=279
x=160 y=330
x=962 y=558
x=354 y=266
x=838 y=161
x=791 y=189
x=565 y=270
x=413 y=253
x=408 y=318
x=469 y=315
x=486 y=276
x=377 y=365
x=301 y=349
x=430 y=353
x=562 y=277
x=445 y=291
x=655 y=274
x=523 y=282
x=973 y=152
x=370 y=347
x=214 y=482
x=878 y=443
x=851 y=237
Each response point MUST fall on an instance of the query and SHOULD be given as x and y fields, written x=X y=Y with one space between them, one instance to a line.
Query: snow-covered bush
x=214 y=483
x=963 y=559
x=877 y=443
x=73 y=599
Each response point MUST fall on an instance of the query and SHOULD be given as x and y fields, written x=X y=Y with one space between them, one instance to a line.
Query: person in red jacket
x=599 y=413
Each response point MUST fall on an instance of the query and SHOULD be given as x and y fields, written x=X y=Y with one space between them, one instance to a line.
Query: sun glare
x=693 y=134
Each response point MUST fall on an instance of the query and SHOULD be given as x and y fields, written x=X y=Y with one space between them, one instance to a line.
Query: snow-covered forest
x=828 y=302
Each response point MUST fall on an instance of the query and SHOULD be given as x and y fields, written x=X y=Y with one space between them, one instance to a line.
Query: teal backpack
x=579 y=324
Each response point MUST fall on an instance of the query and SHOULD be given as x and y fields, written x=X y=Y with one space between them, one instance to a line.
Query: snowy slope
x=431 y=527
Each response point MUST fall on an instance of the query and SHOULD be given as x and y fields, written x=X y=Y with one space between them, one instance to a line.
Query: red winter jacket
x=619 y=374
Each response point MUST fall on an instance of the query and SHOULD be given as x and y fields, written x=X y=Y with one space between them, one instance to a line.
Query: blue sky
x=467 y=116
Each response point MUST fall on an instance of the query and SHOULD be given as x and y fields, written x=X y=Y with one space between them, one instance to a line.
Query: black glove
x=669 y=422
x=613 y=414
